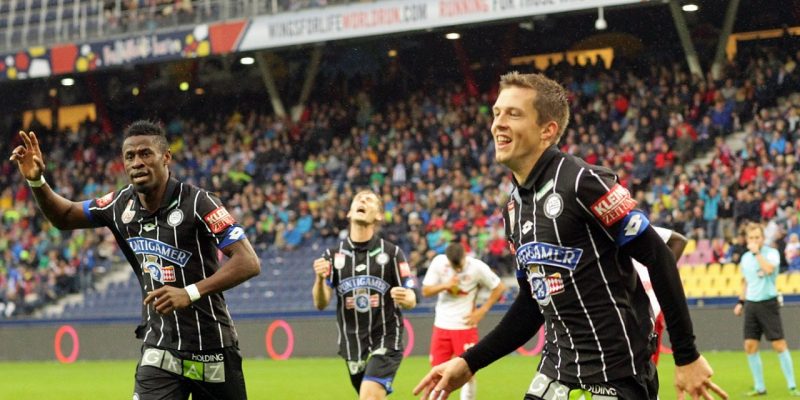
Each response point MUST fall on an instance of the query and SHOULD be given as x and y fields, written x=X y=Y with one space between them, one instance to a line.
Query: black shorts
x=380 y=367
x=763 y=318
x=639 y=387
x=164 y=374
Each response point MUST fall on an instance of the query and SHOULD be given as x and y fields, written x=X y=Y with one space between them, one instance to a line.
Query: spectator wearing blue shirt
x=759 y=301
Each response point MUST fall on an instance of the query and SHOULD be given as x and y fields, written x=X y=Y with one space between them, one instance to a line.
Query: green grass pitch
x=326 y=378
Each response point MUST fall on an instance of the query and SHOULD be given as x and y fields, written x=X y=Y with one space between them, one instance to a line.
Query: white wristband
x=194 y=294
x=37 y=183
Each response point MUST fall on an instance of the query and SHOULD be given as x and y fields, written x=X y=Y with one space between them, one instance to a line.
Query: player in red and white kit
x=676 y=242
x=456 y=278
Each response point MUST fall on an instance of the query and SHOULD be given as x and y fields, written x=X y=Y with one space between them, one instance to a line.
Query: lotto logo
x=614 y=205
x=219 y=219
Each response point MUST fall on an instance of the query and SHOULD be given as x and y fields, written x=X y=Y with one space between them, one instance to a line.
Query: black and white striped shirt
x=565 y=225
x=362 y=274
x=177 y=245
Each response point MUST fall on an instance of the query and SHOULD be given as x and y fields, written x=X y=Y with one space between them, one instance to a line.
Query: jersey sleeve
x=331 y=280
x=610 y=205
x=100 y=211
x=486 y=277
x=434 y=274
x=218 y=223
x=663 y=233
x=404 y=270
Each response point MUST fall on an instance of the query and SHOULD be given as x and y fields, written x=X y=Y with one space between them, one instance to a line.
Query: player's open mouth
x=361 y=210
x=502 y=140
x=139 y=177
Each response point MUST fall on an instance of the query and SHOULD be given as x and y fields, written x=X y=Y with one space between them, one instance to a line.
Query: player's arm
x=677 y=243
x=489 y=279
x=62 y=213
x=242 y=264
x=521 y=322
x=768 y=263
x=321 y=292
x=431 y=285
x=404 y=294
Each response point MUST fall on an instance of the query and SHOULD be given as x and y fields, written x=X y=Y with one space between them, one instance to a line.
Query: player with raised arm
x=372 y=281
x=170 y=232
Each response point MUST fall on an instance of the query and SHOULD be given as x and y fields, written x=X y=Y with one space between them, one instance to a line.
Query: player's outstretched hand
x=695 y=379
x=322 y=267
x=29 y=156
x=167 y=299
x=443 y=379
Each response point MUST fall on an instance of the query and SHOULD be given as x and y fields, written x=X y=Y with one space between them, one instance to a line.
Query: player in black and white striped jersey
x=574 y=230
x=372 y=281
x=170 y=232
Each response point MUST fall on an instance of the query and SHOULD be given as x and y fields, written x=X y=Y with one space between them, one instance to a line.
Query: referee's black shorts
x=763 y=318
x=164 y=374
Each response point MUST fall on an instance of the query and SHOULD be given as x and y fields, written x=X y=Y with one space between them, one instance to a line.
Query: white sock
x=470 y=390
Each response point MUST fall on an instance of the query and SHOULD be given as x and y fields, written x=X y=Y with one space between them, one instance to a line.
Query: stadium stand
x=428 y=153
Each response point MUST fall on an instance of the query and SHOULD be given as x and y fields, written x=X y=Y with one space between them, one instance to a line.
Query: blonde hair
x=753 y=226
x=550 y=102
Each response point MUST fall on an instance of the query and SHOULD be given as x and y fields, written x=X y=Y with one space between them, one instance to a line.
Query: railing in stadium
x=27 y=23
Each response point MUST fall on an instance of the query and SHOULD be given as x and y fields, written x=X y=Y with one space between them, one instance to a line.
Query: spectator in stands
x=759 y=302
x=792 y=252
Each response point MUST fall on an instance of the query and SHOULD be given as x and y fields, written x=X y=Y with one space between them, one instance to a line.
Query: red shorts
x=659 y=330
x=447 y=343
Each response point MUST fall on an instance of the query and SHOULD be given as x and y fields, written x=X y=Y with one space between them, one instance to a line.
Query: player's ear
x=167 y=157
x=549 y=132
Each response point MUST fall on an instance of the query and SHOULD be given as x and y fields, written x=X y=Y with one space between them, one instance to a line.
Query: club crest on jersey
x=175 y=217
x=548 y=254
x=544 y=287
x=147 y=246
x=361 y=299
x=553 y=205
x=382 y=259
x=159 y=273
x=338 y=261
x=105 y=200
x=129 y=213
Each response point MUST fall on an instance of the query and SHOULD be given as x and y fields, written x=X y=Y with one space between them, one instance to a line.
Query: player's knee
x=371 y=390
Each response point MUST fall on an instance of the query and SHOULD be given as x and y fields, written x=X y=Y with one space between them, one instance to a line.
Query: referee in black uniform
x=573 y=229
x=372 y=281
x=170 y=233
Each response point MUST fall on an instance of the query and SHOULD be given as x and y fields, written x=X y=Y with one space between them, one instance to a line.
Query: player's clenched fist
x=403 y=297
x=322 y=267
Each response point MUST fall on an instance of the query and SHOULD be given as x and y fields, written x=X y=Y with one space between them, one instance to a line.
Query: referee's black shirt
x=362 y=275
x=177 y=245
x=566 y=223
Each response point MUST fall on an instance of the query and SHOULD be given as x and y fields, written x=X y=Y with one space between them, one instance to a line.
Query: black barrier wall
x=280 y=338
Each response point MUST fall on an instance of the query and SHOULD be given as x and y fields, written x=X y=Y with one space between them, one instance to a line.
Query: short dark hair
x=551 y=102
x=148 y=128
x=455 y=253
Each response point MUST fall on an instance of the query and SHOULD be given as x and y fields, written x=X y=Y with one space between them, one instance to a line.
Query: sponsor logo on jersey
x=548 y=254
x=614 y=205
x=526 y=227
x=362 y=282
x=405 y=270
x=338 y=260
x=149 y=227
x=219 y=219
x=129 y=213
x=141 y=245
x=553 y=205
x=544 y=287
x=175 y=217
x=105 y=200
x=361 y=267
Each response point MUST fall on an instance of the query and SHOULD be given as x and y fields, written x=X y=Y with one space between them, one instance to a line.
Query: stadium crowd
x=430 y=156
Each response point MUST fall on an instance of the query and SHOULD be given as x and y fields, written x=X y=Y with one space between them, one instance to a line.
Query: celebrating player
x=170 y=232
x=372 y=280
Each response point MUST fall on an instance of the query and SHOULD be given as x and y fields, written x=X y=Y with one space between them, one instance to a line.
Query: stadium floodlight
x=184 y=86
x=453 y=36
x=690 y=7
x=392 y=53
x=67 y=82
x=247 y=60
x=135 y=91
x=601 y=23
